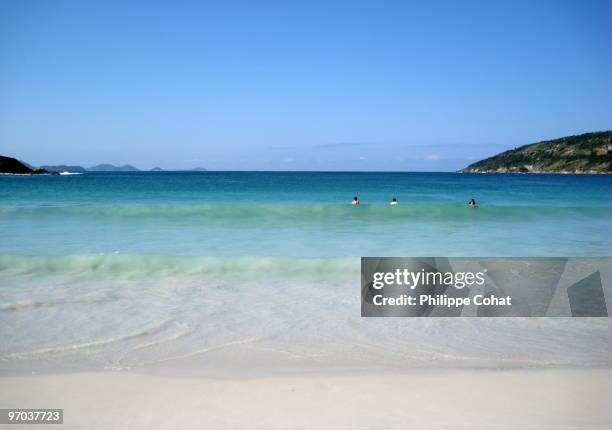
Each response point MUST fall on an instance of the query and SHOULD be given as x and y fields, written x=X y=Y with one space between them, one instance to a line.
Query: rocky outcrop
x=16 y=167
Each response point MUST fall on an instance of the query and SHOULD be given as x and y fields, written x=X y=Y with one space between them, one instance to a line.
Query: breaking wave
x=309 y=214
x=146 y=265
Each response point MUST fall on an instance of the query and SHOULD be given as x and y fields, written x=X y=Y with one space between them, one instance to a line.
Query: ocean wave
x=185 y=331
x=28 y=304
x=143 y=331
x=309 y=214
x=146 y=265
x=206 y=350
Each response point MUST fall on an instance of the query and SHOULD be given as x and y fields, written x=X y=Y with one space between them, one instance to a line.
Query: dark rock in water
x=12 y=165
x=16 y=167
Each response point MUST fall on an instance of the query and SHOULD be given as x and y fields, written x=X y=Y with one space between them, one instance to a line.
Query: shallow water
x=116 y=270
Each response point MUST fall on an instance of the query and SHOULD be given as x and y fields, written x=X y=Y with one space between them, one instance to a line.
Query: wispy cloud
x=324 y=145
x=341 y=145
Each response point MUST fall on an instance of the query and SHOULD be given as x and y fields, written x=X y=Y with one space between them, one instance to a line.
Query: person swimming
x=394 y=202
x=472 y=203
x=355 y=201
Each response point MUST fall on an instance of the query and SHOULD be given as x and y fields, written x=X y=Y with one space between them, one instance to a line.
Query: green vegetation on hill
x=584 y=153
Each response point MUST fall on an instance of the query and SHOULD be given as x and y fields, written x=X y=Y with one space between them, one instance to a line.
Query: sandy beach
x=441 y=399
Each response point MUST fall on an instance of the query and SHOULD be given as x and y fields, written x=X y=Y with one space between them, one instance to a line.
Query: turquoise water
x=306 y=214
x=121 y=270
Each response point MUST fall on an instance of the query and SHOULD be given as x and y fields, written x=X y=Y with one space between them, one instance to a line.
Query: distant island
x=111 y=168
x=589 y=153
x=65 y=168
x=99 y=168
x=16 y=167
x=13 y=166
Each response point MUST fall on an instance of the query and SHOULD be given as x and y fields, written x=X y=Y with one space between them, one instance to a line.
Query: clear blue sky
x=294 y=85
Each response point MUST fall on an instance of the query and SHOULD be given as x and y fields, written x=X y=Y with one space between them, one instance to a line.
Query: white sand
x=477 y=399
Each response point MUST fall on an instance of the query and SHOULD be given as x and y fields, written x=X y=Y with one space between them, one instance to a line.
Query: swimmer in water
x=394 y=202
x=355 y=201
x=472 y=203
